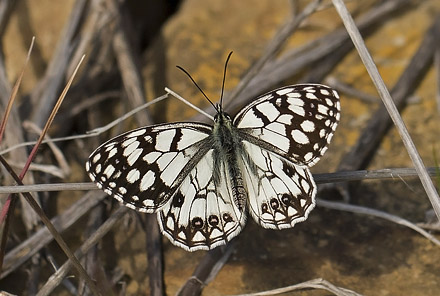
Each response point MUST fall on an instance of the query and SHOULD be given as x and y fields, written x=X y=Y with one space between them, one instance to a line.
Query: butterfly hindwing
x=282 y=192
x=143 y=167
x=201 y=214
x=296 y=122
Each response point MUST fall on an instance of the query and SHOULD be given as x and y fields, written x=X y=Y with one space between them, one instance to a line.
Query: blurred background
x=132 y=48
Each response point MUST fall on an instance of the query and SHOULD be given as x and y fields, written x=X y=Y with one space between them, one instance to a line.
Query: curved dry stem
x=312 y=284
x=376 y=213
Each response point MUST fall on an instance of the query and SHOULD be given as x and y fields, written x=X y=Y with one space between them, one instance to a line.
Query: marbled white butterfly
x=202 y=179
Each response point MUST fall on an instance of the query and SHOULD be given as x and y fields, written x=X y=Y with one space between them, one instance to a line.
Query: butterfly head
x=222 y=117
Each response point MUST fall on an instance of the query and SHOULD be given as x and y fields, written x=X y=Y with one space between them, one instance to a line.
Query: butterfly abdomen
x=239 y=192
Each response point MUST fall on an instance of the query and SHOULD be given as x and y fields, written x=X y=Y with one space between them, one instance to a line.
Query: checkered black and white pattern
x=202 y=179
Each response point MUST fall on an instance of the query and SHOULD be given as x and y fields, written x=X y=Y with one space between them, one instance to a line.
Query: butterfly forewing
x=144 y=167
x=296 y=122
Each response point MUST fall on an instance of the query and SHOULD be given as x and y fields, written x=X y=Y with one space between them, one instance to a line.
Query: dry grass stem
x=179 y=97
x=346 y=176
x=47 y=93
x=389 y=104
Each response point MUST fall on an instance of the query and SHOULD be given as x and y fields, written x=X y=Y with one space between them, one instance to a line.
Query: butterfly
x=202 y=180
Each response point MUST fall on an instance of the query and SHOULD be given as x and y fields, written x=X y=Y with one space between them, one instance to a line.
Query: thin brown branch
x=9 y=205
x=50 y=120
x=92 y=260
x=206 y=270
x=64 y=168
x=53 y=230
x=128 y=60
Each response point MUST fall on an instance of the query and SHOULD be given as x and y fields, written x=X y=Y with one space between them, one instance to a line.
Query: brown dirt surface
x=365 y=254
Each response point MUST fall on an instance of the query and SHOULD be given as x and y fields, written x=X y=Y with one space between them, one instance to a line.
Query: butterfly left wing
x=201 y=214
x=281 y=192
x=296 y=122
x=142 y=168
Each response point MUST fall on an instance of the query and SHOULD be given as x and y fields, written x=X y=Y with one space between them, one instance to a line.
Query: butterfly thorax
x=227 y=147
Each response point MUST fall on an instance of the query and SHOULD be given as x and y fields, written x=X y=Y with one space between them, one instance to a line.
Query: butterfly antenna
x=195 y=83
x=224 y=78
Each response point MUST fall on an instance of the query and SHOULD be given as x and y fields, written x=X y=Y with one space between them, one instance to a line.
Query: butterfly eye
x=222 y=116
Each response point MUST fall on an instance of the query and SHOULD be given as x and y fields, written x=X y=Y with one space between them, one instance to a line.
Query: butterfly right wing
x=143 y=168
x=284 y=132
x=201 y=214
x=296 y=121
